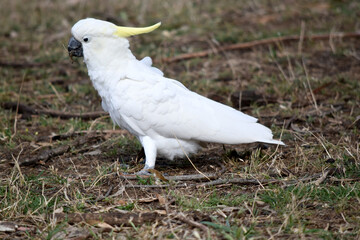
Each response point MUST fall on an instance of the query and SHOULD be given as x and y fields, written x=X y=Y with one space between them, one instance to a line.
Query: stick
x=178 y=177
x=322 y=178
x=237 y=181
x=45 y=155
x=21 y=64
x=193 y=177
x=49 y=153
x=81 y=132
x=240 y=181
x=17 y=106
x=112 y=218
x=184 y=219
x=247 y=45
x=102 y=197
x=24 y=64
x=154 y=186
x=25 y=109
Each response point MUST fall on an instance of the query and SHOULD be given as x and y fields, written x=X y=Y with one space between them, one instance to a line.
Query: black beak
x=75 y=48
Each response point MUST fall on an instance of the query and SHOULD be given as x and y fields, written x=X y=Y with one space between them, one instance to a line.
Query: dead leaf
x=161 y=199
x=93 y=153
x=44 y=144
x=158 y=175
x=118 y=192
x=147 y=200
x=104 y=225
x=121 y=202
x=319 y=7
x=59 y=210
x=260 y=203
x=160 y=212
x=196 y=234
x=231 y=209
x=267 y=18
x=72 y=233
x=93 y=222
x=296 y=128
x=25 y=229
x=8 y=227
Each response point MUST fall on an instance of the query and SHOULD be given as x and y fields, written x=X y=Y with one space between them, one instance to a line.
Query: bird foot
x=143 y=172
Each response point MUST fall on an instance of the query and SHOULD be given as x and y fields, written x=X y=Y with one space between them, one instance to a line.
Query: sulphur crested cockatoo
x=167 y=118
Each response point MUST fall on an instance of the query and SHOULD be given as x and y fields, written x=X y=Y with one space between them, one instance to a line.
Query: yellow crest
x=131 y=31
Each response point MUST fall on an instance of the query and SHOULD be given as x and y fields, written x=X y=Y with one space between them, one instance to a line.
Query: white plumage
x=166 y=117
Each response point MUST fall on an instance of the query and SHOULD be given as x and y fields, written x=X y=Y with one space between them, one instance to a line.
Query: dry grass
x=306 y=91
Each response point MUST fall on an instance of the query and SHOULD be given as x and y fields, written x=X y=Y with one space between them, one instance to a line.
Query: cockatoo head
x=101 y=41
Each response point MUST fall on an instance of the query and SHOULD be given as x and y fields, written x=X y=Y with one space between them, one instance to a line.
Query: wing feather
x=150 y=104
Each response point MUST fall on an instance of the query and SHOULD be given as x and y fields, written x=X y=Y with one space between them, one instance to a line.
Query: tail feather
x=264 y=134
x=245 y=132
x=273 y=141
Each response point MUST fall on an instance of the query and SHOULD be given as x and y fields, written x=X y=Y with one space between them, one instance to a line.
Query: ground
x=63 y=162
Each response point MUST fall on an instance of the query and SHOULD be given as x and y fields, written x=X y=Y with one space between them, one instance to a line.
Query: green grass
x=127 y=207
x=336 y=196
x=212 y=201
x=232 y=232
x=145 y=181
x=28 y=195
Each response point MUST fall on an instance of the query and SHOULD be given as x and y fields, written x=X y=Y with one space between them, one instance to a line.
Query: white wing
x=148 y=62
x=156 y=105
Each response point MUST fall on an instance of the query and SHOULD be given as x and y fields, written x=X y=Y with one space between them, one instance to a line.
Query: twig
x=49 y=153
x=102 y=197
x=155 y=186
x=25 y=109
x=74 y=133
x=17 y=106
x=322 y=178
x=241 y=181
x=309 y=86
x=22 y=64
x=301 y=38
x=45 y=155
x=61 y=98
x=184 y=219
x=17 y=166
x=193 y=177
x=180 y=177
x=303 y=179
x=190 y=159
x=199 y=176
x=274 y=40
x=112 y=218
x=318 y=89
x=322 y=144
x=333 y=179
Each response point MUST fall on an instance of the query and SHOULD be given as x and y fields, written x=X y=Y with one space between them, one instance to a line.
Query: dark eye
x=86 y=39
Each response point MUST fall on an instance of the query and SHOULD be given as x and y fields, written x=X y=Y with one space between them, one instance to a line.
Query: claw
x=143 y=172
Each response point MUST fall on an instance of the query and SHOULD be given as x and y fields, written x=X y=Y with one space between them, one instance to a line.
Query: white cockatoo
x=167 y=118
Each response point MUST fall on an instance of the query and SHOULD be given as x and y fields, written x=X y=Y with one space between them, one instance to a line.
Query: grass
x=232 y=232
x=324 y=196
x=209 y=201
x=319 y=137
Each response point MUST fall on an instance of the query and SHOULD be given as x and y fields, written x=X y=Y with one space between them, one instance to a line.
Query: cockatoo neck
x=107 y=60
x=106 y=54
